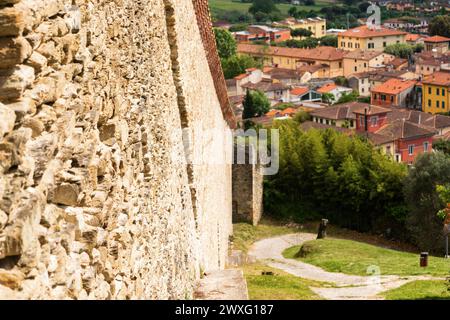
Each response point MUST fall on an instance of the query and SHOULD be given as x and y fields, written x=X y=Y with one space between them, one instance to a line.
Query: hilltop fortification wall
x=101 y=103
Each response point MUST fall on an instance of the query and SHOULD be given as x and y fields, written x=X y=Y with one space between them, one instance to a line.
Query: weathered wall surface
x=95 y=201
x=247 y=191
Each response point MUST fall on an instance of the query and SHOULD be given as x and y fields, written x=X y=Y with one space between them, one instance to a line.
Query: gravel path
x=345 y=286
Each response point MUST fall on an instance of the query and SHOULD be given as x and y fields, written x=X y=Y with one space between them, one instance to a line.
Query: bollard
x=322 y=229
x=424 y=259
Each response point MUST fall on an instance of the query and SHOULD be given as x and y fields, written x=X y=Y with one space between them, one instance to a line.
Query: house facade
x=262 y=33
x=365 y=60
x=436 y=93
x=393 y=92
x=371 y=39
x=318 y=26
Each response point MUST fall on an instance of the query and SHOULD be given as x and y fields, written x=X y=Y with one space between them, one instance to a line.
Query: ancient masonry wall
x=96 y=197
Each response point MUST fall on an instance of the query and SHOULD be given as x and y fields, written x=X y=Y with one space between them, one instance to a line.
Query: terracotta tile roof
x=319 y=53
x=289 y=111
x=437 y=39
x=339 y=112
x=438 y=78
x=282 y=73
x=327 y=88
x=397 y=62
x=402 y=129
x=241 y=76
x=297 y=91
x=412 y=37
x=362 y=54
x=265 y=86
x=365 y=32
x=371 y=110
x=394 y=86
x=377 y=139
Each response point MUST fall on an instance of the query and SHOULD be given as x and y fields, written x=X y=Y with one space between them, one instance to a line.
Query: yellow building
x=294 y=58
x=371 y=39
x=436 y=93
x=317 y=26
x=357 y=61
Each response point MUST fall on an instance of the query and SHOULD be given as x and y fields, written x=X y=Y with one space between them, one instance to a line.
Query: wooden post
x=322 y=229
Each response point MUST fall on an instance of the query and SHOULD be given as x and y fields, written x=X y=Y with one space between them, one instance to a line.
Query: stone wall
x=247 y=191
x=101 y=106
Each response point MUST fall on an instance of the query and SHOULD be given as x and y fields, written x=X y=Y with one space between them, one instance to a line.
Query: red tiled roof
x=371 y=110
x=412 y=37
x=437 y=39
x=365 y=32
x=241 y=76
x=327 y=88
x=363 y=54
x=299 y=91
x=402 y=129
x=438 y=78
x=339 y=111
x=319 y=53
x=394 y=86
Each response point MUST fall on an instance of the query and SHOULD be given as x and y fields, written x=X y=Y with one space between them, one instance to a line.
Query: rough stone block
x=11 y=278
x=66 y=194
x=7 y=119
x=37 y=61
x=13 y=51
x=14 y=81
x=12 y=22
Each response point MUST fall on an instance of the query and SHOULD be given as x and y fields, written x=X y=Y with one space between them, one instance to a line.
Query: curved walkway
x=344 y=286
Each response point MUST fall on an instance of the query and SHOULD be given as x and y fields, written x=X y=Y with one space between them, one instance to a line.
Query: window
x=362 y=90
x=361 y=121
x=374 y=121
x=343 y=44
x=411 y=149
x=443 y=104
x=392 y=98
x=425 y=146
x=429 y=103
x=370 y=45
x=437 y=104
x=437 y=91
x=356 y=68
x=375 y=97
x=321 y=120
x=383 y=97
x=351 y=123
x=429 y=90
x=365 y=65
x=443 y=92
x=340 y=64
x=384 y=44
x=327 y=122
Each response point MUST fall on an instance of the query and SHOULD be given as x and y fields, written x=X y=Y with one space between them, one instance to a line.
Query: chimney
x=365 y=119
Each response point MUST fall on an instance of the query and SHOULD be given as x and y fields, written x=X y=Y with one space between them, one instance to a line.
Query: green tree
x=292 y=11
x=255 y=104
x=440 y=25
x=302 y=116
x=442 y=145
x=309 y=2
x=327 y=97
x=348 y=97
x=262 y=6
x=300 y=32
x=401 y=50
x=237 y=64
x=330 y=41
x=225 y=42
x=422 y=196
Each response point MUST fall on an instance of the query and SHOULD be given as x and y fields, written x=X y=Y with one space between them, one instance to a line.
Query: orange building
x=393 y=92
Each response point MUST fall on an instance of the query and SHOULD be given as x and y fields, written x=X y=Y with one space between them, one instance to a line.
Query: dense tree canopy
x=440 y=25
x=300 y=32
x=421 y=192
x=237 y=64
x=401 y=50
x=263 y=6
x=255 y=104
x=226 y=44
x=325 y=174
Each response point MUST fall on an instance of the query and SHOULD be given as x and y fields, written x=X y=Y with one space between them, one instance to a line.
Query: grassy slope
x=419 y=290
x=352 y=257
x=245 y=234
x=280 y=286
x=228 y=5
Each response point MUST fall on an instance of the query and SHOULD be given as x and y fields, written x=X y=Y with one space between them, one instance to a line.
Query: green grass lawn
x=279 y=286
x=352 y=257
x=229 y=5
x=245 y=234
x=420 y=290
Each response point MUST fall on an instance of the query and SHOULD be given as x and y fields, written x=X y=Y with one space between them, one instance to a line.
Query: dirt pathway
x=344 y=286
